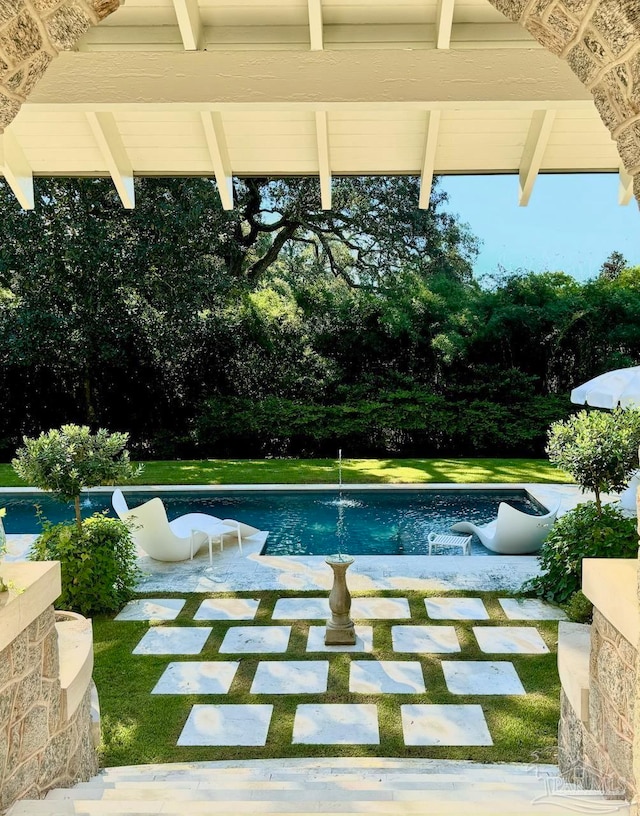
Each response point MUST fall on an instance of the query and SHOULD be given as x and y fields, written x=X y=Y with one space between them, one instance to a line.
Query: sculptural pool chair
x=513 y=532
x=175 y=540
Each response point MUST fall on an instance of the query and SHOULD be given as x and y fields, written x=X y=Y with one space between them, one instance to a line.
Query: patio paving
x=330 y=723
x=291 y=677
x=425 y=639
x=444 y=725
x=178 y=640
x=530 y=609
x=456 y=609
x=227 y=725
x=481 y=677
x=256 y=640
x=386 y=677
x=195 y=677
x=227 y=609
x=510 y=640
x=336 y=724
x=151 y=609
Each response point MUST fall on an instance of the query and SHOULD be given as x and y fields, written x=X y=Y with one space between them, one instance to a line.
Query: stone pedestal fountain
x=340 y=630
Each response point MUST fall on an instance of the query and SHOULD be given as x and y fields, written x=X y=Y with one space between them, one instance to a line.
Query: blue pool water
x=309 y=522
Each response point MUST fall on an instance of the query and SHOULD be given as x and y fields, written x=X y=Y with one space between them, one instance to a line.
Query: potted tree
x=97 y=555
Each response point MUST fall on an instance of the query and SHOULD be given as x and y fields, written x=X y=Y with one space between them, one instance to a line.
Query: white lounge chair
x=179 y=539
x=627 y=500
x=513 y=532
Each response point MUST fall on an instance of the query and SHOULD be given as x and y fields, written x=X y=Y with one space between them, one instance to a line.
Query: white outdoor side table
x=450 y=541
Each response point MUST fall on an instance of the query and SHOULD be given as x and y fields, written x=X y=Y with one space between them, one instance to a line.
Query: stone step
x=449 y=805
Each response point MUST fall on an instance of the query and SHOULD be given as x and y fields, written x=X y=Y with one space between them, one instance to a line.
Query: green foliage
x=583 y=532
x=98 y=563
x=67 y=460
x=599 y=449
x=579 y=608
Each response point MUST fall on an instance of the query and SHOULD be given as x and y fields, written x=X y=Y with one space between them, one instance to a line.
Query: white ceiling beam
x=189 y=23
x=316 y=35
x=429 y=160
x=625 y=188
x=533 y=153
x=444 y=23
x=17 y=170
x=107 y=136
x=219 y=153
x=324 y=165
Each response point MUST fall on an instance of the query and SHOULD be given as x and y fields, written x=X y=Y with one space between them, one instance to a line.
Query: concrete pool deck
x=231 y=572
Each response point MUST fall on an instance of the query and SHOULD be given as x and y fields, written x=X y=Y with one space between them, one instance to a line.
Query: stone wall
x=32 y=33
x=46 y=738
x=600 y=40
x=598 y=753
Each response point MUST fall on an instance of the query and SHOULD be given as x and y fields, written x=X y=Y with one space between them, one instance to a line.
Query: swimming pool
x=307 y=522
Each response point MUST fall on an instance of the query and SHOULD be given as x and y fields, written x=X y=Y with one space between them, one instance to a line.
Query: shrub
x=579 y=608
x=583 y=532
x=599 y=449
x=98 y=563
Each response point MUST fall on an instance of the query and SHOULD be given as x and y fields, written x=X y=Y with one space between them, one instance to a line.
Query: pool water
x=309 y=522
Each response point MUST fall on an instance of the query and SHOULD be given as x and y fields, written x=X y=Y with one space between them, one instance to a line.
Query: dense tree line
x=280 y=329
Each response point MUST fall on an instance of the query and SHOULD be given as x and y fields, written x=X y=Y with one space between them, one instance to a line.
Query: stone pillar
x=340 y=629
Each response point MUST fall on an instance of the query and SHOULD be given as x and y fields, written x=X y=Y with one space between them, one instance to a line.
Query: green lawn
x=322 y=471
x=138 y=727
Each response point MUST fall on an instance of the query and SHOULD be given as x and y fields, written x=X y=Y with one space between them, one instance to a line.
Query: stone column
x=340 y=629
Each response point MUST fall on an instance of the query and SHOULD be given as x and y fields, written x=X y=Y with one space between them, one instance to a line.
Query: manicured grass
x=139 y=727
x=325 y=471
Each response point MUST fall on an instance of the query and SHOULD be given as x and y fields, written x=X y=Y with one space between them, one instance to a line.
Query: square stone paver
x=151 y=609
x=530 y=609
x=386 y=677
x=184 y=640
x=193 y=677
x=291 y=677
x=364 y=640
x=481 y=677
x=301 y=609
x=456 y=609
x=256 y=640
x=227 y=725
x=380 y=608
x=444 y=725
x=227 y=609
x=336 y=724
x=427 y=639
x=510 y=640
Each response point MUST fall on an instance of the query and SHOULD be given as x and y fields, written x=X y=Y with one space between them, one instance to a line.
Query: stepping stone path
x=317 y=723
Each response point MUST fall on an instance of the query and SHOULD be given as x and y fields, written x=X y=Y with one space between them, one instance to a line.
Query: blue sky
x=572 y=222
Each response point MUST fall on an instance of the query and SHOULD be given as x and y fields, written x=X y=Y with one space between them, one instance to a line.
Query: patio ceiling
x=308 y=87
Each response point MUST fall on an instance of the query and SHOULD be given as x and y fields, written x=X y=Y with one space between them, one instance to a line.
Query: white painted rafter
x=625 y=189
x=444 y=23
x=189 y=23
x=105 y=131
x=316 y=34
x=429 y=160
x=217 y=144
x=533 y=152
x=17 y=170
x=324 y=164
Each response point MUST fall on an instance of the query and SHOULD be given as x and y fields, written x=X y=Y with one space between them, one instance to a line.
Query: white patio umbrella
x=620 y=387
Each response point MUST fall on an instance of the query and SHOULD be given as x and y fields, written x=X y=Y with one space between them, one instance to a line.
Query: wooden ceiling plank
x=316 y=28
x=444 y=23
x=533 y=152
x=105 y=131
x=17 y=170
x=429 y=161
x=324 y=165
x=218 y=151
x=189 y=23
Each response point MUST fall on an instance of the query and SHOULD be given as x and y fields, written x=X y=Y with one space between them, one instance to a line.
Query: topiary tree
x=65 y=461
x=598 y=448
